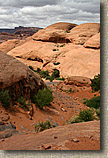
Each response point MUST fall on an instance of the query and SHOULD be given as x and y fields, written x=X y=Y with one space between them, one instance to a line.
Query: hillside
x=51 y=80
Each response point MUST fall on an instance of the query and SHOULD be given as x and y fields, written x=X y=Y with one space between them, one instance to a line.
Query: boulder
x=18 y=78
x=80 y=34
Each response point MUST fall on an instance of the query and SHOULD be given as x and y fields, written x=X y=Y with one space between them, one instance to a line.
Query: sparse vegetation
x=95 y=83
x=22 y=103
x=62 y=45
x=43 y=98
x=70 y=90
x=84 y=116
x=5 y=98
x=56 y=73
x=41 y=126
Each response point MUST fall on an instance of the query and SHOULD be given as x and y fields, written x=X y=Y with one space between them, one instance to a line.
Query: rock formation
x=18 y=78
x=93 y=42
x=80 y=34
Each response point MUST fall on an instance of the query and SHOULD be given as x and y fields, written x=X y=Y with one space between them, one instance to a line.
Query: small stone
x=47 y=146
x=2 y=140
x=63 y=109
x=75 y=140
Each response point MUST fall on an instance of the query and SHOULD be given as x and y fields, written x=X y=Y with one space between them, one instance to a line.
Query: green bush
x=62 y=79
x=44 y=74
x=4 y=98
x=38 y=70
x=54 y=49
x=70 y=90
x=68 y=31
x=93 y=103
x=22 y=102
x=56 y=63
x=43 y=98
x=95 y=83
x=32 y=68
x=56 y=73
x=62 y=45
x=50 y=78
x=41 y=126
x=74 y=119
x=86 y=115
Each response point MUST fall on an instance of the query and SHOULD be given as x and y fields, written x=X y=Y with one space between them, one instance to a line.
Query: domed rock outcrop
x=80 y=34
x=18 y=78
x=62 y=26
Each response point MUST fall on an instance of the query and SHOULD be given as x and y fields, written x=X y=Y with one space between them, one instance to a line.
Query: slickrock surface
x=11 y=44
x=80 y=136
x=50 y=45
x=93 y=42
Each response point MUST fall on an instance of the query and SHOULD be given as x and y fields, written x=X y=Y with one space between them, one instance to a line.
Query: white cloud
x=41 y=13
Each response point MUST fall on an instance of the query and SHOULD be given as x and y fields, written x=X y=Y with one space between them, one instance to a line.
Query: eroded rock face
x=18 y=78
x=93 y=42
x=80 y=34
x=54 y=33
x=51 y=35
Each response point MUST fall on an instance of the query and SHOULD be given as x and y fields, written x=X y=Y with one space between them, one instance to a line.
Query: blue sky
x=41 y=13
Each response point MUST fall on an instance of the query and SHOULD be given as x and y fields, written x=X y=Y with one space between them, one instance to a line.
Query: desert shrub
x=50 y=78
x=62 y=79
x=54 y=49
x=38 y=70
x=95 y=83
x=56 y=73
x=5 y=98
x=86 y=115
x=68 y=31
x=70 y=90
x=93 y=103
x=43 y=98
x=22 y=102
x=41 y=126
x=44 y=74
x=56 y=63
x=98 y=112
x=32 y=68
x=74 y=119
x=62 y=45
